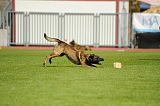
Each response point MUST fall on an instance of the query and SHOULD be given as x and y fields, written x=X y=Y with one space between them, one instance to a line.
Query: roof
x=155 y=9
x=151 y=2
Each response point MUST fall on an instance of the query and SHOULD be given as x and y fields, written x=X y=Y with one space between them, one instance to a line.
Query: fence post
x=61 y=26
x=8 y=19
x=96 y=30
x=25 y=29
x=8 y=29
x=129 y=30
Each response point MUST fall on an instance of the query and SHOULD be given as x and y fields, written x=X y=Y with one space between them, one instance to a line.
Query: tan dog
x=75 y=56
x=79 y=47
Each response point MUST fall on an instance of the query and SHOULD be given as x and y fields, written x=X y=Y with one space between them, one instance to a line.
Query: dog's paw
x=44 y=64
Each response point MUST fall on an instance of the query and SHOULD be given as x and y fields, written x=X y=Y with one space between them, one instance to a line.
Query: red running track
x=94 y=48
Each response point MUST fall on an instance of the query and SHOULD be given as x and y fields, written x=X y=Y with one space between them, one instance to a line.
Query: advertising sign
x=146 y=22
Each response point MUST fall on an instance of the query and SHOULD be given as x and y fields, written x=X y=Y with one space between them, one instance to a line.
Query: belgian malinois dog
x=75 y=56
x=79 y=47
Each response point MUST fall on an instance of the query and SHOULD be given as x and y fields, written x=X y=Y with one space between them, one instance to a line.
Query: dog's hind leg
x=49 y=57
x=50 y=60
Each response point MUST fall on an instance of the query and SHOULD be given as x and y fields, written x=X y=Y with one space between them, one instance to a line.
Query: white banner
x=146 y=22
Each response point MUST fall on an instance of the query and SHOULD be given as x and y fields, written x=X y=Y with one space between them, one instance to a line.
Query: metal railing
x=16 y=27
x=85 y=28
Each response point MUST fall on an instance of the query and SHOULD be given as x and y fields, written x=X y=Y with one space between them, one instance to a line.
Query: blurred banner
x=146 y=22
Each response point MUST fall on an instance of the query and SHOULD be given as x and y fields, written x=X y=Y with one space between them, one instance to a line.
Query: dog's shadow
x=59 y=66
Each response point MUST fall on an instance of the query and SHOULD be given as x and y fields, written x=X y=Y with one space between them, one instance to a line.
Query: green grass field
x=24 y=82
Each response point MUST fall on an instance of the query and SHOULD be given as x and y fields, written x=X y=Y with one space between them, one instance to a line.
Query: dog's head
x=94 y=59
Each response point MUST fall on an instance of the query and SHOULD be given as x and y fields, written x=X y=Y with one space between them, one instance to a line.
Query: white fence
x=40 y=23
x=107 y=29
x=85 y=28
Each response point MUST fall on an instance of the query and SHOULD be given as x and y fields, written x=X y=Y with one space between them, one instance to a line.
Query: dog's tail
x=51 y=39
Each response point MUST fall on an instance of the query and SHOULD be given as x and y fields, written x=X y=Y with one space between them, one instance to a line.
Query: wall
x=66 y=6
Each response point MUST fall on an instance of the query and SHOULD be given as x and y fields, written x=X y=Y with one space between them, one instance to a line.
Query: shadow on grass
x=62 y=66
x=150 y=59
x=59 y=66
x=76 y=66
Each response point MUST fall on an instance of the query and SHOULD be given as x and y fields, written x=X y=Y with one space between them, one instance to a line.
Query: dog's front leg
x=92 y=65
x=87 y=65
x=83 y=63
x=82 y=59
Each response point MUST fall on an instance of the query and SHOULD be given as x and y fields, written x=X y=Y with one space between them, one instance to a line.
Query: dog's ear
x=91 y=57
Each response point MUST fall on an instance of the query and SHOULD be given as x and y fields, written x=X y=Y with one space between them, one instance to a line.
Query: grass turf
x=24 y=82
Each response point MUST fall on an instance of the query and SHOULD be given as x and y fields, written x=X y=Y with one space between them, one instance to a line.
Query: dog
x=79 y=47
x=75 y=56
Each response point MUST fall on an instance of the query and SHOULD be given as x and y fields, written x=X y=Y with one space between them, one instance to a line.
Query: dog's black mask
x=93 y=59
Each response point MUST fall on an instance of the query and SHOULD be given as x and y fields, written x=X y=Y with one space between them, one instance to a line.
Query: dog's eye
x=91 y=57
x=96 y=57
